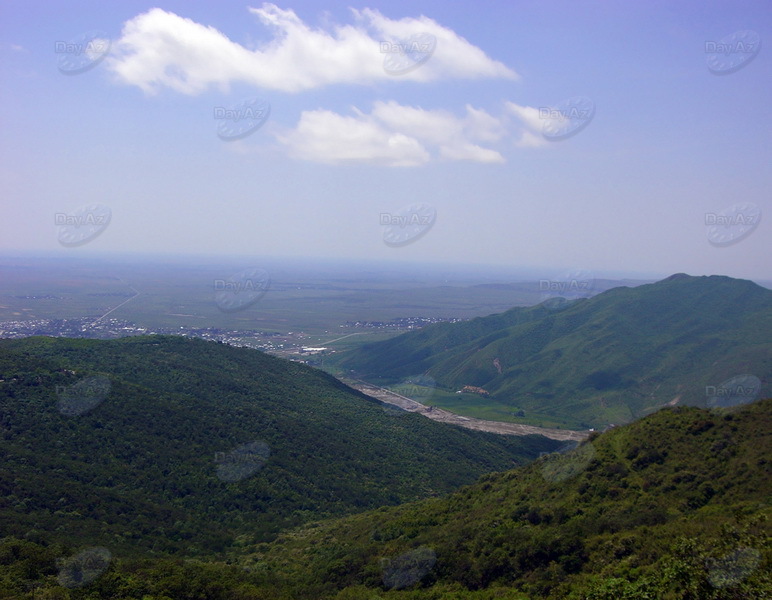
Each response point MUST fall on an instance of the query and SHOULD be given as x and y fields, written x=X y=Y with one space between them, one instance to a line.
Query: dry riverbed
x=444 y=416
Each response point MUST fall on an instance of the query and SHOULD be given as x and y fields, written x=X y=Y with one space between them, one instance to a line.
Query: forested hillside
x=674 y=506
x=167 y=444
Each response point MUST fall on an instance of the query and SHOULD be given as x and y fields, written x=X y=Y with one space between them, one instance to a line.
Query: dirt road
x=443 y=416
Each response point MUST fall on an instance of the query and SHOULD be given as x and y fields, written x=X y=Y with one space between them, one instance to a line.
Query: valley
x=462 y=453
x=443 y=416
x=385 y=300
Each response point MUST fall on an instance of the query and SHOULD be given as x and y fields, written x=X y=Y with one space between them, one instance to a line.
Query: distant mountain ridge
x=587 y=363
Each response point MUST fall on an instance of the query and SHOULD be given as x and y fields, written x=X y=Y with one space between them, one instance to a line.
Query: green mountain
x=166 y=444
x=675 y=506
x=590 y=362
x=672 y=506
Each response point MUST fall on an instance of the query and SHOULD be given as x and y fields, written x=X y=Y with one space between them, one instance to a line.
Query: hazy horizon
x=622 y=139
x=428 y=273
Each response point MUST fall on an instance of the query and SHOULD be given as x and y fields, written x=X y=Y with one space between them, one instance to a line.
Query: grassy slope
x=612 y=358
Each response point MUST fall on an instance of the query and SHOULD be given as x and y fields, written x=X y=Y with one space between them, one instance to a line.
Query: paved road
x=444 y=416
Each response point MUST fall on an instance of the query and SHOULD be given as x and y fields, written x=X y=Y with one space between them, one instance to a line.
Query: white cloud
x=530 y=125
x=394 y=135
x=471 y=152
x=454 y=57
x=484 y=127
x=529 y=139
x=161 y=49
x=325 y=136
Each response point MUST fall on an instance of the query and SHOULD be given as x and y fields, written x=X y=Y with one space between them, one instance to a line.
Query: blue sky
x=670 y=145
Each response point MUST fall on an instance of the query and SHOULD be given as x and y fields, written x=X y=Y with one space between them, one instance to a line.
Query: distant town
x=289 y=345
x=401 y=323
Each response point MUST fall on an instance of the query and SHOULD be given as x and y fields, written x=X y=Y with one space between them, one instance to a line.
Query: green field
x=465 y=404
x=472 y=405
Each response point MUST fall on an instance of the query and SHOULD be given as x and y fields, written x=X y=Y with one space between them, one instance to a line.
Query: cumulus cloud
x=160 y=49
x=394 y=135
x=325 y=136
x=530 y=125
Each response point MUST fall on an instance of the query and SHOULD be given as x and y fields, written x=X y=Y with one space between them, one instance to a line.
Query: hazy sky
x=606 y=136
